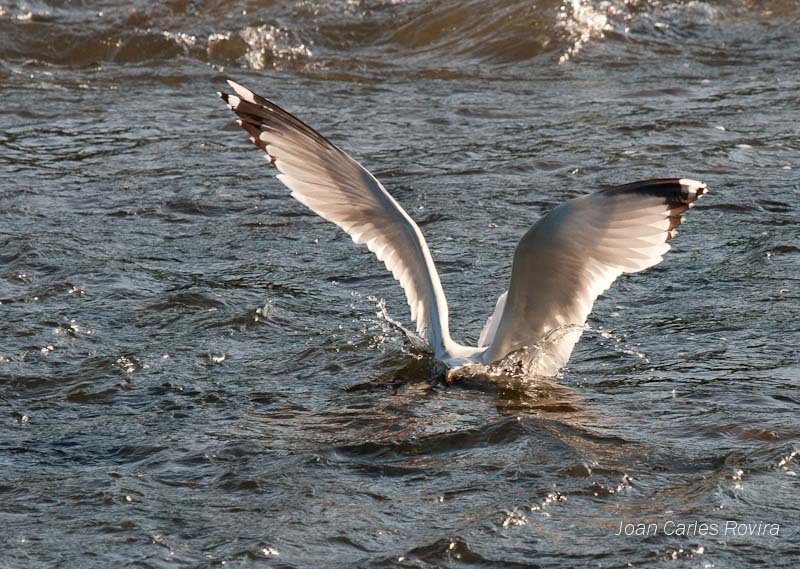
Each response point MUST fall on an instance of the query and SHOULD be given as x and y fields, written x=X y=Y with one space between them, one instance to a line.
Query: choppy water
x=192 y=371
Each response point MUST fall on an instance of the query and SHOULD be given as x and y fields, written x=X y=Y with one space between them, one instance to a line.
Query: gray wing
x=574 y=253
x=339 y=189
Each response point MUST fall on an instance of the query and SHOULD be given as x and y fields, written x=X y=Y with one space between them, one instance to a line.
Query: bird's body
x=568 y=258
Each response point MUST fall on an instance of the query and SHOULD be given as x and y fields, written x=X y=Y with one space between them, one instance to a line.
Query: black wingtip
x=676 y=191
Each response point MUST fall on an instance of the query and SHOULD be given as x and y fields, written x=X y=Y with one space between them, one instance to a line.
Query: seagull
x=561 y=265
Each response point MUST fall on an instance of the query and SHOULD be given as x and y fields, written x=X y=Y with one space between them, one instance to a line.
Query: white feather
x=569 y=257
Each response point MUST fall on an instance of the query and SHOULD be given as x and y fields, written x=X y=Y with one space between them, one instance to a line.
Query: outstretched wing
x=339 y=189
x=575 y=252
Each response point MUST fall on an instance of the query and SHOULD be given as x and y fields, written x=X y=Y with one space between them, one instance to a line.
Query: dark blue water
x=193 y=370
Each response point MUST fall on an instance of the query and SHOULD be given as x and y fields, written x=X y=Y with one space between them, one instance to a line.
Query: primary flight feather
x=561 y=265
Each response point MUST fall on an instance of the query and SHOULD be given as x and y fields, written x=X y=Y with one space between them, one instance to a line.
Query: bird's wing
x=336 y=187
x=575 y=252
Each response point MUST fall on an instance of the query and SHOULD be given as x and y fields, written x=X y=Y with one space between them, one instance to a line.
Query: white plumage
x=561 y=265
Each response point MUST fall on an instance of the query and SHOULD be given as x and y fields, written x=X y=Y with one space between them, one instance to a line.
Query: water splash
x=267 y=45
x=543 y=359
x=584 y=21
x=259 y=47
x=411 y=341
x=620 y=343
x=527 y=365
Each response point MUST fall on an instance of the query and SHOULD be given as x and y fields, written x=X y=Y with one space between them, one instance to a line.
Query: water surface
x=193 y=371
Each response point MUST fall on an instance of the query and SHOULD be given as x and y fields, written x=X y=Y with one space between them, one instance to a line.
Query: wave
x=343 y=34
